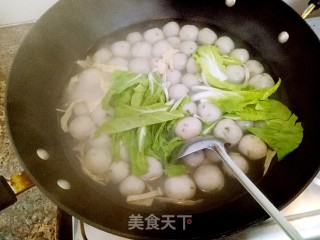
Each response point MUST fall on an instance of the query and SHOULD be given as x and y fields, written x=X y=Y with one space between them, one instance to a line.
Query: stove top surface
x=303 y=213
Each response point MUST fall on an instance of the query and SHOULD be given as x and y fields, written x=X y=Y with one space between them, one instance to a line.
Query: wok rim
x=75 y=213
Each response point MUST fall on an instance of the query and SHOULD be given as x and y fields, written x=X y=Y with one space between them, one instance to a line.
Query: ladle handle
x=257 y=194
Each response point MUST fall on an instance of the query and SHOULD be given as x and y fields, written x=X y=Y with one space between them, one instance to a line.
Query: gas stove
x=303 y=213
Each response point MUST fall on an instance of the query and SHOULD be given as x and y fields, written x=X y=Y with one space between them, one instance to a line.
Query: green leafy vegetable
x=213 y=65
x=139 y=163
x=162 y=150
x=143 y=121
x=121 y=82
x=115 y=146
x=134 y=117
x=281 y=132
x=149 y=91
x=176 y=170
x=230 y=101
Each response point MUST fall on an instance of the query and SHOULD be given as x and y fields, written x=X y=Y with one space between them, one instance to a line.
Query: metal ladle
x=209 y=142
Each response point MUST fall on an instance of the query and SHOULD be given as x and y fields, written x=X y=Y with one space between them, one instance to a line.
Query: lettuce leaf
x=149 y=91
x=134 y=89
x=265 y=110
x=139 y=144
x=139 y=163
x=121 y=81
x=281 y=132
x=128 y=117
x=283 y=136
x=213 y=65
x=165 y=142
x=115 y=146
x=175 y=170
x=143 y=121
x=230 y=101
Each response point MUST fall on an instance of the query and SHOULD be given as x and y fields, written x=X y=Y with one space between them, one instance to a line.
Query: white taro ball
x=208 y=178
x=87 y=88
x=80 y=108
x=155 y=169
x=99 y=115
x=192 y=66
x=190 y=108
x=159 y=48
x=188 y=127
x=99 y=142
x=90 y=77
x=134 y=37
x=240 y=161
x=81 y=127
x=173 y=76
x=174 y=41
x=252 y=147
x=194 y=159
x=141 y=49
x=97 y=161
x=118 y=171
x=177 y=91
x=180 y=61
x=171 y=29
x=153 y=35
x=230 y=3
x=283 y=37
x=212 y=156
x=140 y=65
x=263 y=80
x=235 y=73
x=229 y=131
x=188 y=47
x=225 y=44
x=132 y=185
x=121 y=48
x=209 y=112
x=188 y=32
x=190 y=80
x=206 y=36
x=254 y=67
x=102 y=55
x=180 y=187
x=241 y=54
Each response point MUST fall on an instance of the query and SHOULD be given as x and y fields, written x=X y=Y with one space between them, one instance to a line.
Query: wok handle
x=312 y=5
x=9 y=189
x=316 y=3
x=7 y=195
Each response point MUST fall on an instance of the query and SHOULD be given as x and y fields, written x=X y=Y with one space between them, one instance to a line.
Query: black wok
x=67 y=31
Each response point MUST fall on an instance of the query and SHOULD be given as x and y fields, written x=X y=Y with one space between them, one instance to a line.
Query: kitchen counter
x=33 y=216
